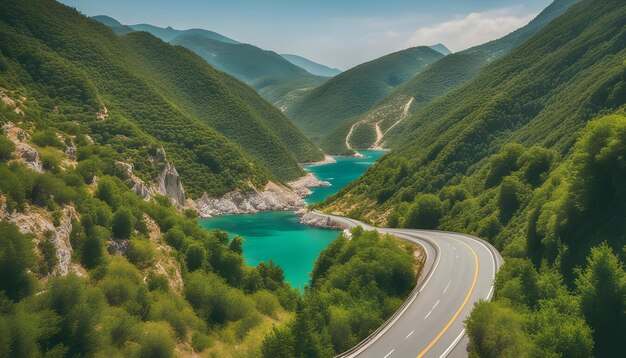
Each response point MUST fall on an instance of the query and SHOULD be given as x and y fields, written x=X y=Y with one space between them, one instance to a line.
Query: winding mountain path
x=459 y=270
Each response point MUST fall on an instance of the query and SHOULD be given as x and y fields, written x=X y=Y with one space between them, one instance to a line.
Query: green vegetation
x=71 y=70
x=355 y=286
x=528 y=156
x=442 y=77
x=355 y=91
x=113 y=310
x=272 y=76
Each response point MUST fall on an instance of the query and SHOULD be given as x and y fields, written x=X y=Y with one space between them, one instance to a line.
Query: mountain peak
x=441 y=49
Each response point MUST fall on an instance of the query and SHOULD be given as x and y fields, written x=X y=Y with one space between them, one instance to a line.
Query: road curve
x=459 y=271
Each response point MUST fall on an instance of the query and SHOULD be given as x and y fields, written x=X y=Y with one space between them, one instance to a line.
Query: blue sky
x=338 y=33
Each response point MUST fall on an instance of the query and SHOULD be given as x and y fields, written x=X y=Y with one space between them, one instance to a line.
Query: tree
x=195 y=256
x=6 y=149
x=16 y=257
x=122 y=224
x=278 y=344
x=602 y=289
x=92 y=250
x=425 y=212
x=236 y=245
x=510 y=197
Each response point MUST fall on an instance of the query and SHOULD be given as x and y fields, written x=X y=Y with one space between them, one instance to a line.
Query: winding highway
x=459 y=270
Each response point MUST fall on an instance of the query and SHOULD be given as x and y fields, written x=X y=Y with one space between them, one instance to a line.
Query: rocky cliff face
x=38 y=222
x=170 y=186
x=168 y=182
x=272 y=197
x=23 y=152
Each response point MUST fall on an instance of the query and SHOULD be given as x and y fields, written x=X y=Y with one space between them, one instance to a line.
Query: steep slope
x=117 y=87
x=272 y=76
x=530 y=156
x=355 y=91
x=275 y=78
x=440 y=78
x=311 y=66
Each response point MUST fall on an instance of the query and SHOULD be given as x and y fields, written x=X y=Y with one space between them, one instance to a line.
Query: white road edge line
x=409 y=335
x=456 y=341
x=388 y=354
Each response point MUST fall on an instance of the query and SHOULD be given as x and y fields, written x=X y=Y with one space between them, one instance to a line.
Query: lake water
x=280 y=236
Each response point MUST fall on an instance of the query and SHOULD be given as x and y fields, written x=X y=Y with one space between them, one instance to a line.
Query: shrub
x=122 y=224
x=16 y=257
x=424 y=213
x=140 y=252
x=266 y=303
x=6 y=149
x=195 y=256
x=156 y=341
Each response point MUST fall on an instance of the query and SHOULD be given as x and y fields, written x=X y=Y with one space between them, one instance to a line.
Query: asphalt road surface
x=459 y=270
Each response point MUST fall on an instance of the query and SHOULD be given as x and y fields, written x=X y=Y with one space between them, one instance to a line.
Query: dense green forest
x=272 y=76
x=357 y=283
x=144 y=280
x=439 y=78
x=529 y=156
x=147 y=94
x=356 y=90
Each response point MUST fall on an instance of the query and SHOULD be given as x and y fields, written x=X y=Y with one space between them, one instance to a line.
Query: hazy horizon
x=336 y=34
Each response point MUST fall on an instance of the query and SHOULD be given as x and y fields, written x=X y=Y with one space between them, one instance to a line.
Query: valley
x=181 y=180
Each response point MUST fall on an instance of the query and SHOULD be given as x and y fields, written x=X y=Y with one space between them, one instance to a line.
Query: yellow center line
x=445 y=329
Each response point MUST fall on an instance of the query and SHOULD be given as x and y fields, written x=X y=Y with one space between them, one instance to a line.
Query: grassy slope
x=355 y=91
x=109 y=71
x=444 y=76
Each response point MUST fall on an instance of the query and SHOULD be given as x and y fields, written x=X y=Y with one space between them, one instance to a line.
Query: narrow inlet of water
x=279 y=236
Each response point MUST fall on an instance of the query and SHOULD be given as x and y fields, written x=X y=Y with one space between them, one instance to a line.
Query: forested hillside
x=147 y=94
x=440 y=78
x=527 y=155
x=273 y=77
x=355 y=91
x=87 y=266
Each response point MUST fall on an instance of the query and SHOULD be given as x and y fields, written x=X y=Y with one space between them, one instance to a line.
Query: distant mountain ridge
x=271 y=75
x=311 y=66
x=441 y=49
x=441 y=77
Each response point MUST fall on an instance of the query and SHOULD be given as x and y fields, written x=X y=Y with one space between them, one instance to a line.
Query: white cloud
x=472 y=29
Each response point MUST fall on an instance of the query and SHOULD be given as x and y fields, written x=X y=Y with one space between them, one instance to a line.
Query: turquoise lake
x=279 y=235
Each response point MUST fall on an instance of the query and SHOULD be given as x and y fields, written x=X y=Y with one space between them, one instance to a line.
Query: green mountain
x=441 y=48
x=355 y=91
x=218 y=132
x=311 y=67
x=168 y=34
x=275 y=78
x=89 y=265
x=393 y=114
x=272 y=76
x=528 y=155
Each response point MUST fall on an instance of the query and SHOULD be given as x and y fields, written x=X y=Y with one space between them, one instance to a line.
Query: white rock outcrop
x=303 y=184
x=312 y=219
x=38 y=222
x=272 y=197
